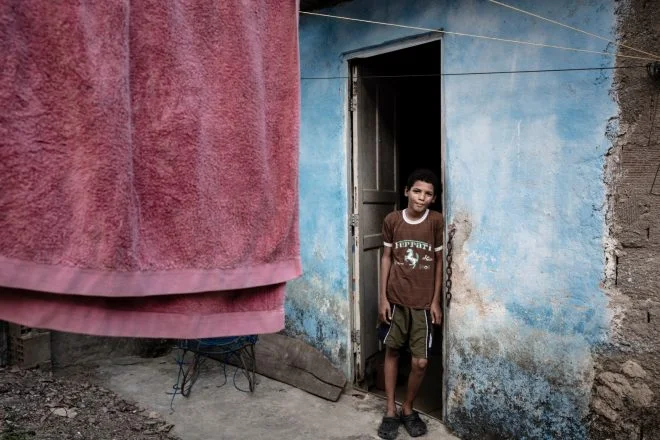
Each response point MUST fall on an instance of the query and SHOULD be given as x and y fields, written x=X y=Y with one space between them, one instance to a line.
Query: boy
x=410 y=284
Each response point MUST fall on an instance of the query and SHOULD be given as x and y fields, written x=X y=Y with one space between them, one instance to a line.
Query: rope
x=497 y=72
x=573 y=28
x=461 y=34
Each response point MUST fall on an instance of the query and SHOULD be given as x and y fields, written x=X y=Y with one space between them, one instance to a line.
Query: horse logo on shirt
x=411 y=258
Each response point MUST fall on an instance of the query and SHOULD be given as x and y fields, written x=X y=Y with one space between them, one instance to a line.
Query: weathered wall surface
x=74 y=349
x=627 y=388
x=524 y=181
x=67 y=349
x=317 y=311
x=4 y=344
x=317 y=308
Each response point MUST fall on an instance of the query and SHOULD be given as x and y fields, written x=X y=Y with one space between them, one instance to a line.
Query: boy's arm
x=384 y=310
x=436 y=304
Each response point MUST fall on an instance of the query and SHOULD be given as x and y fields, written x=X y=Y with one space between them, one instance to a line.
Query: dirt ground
x=130 y=398
x=38 y=405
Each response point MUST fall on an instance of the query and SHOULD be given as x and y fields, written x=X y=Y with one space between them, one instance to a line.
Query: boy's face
x=420 y=196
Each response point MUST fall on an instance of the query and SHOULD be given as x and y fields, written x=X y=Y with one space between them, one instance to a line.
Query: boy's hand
x=436 y=313
x=385 y=311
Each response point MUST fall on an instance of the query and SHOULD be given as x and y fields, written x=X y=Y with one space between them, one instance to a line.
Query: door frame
x=352 y=173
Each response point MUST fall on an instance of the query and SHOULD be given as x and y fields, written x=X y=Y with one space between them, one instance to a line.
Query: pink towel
x=198 y=315
x=148 y=165
x=148 y=147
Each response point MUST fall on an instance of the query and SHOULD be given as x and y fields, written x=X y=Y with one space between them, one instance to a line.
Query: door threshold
x=431 y=415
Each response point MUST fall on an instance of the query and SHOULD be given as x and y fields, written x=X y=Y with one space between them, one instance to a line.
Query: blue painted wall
x=524 y=182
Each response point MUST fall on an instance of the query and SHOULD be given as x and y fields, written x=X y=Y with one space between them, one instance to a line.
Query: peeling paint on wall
x=319 y=318
x=510 y=380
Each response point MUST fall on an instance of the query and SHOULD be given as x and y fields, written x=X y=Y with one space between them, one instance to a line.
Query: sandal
x=389 y=428
x=414 y=424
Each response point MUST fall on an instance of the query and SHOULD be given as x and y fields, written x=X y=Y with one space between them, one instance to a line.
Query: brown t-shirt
x=414 y=244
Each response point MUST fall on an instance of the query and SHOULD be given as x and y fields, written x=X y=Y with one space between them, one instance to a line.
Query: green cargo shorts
x=412 y=327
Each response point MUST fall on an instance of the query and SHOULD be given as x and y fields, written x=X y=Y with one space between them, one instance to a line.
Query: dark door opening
x=398 y=130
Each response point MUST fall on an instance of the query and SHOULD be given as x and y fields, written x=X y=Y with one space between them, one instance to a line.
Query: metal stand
x=238 y=351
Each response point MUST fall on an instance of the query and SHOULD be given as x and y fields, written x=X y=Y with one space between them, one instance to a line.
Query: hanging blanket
x=186 y=316
x=147 y=148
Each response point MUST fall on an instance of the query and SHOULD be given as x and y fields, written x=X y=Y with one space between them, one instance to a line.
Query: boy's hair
x=424 y=175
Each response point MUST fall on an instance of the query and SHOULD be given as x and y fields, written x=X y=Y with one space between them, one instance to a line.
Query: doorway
x=396 y=128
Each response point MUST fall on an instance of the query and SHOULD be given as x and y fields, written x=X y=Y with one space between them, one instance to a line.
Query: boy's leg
x=391 y=372
x=420 y=342
x=417 y=371
x=389 y=426
x=395 y=338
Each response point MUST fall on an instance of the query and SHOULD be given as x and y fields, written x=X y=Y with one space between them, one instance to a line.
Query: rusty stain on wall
x=491 y=353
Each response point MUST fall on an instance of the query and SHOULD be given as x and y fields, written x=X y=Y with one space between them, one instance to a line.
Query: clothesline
x=462 y=34
x=573 y=28
x=499 y=72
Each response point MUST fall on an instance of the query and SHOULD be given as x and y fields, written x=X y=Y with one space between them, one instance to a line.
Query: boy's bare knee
x=420 y=363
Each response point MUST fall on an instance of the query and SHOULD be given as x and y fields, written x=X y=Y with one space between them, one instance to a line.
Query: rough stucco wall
x=318 y=314
x=625 y=394
x=524 y=170
x=75 y=349
x=525 y=158
x=317 y=307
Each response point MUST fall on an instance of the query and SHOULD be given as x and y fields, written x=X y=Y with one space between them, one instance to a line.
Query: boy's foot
x=414 y=424
x=389 y=428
